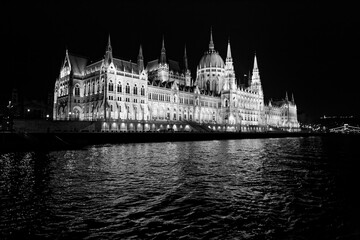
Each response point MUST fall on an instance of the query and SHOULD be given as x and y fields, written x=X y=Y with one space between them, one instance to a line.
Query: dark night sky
x=305 y=48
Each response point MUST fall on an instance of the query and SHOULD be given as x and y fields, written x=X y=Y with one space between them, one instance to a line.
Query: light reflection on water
x=292 y=188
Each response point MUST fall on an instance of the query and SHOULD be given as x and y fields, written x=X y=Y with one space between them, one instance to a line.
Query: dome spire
x=211 y=44
x=255 y=68
x=228 y=54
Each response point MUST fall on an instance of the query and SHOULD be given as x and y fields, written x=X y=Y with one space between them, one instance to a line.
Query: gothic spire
x=286 y=96
x=292 y=98
x=211 y=44
x=140 y=53
x=163 y=52
x=108 y=48
x=185 y=59
x=228 y=54
x=255 y=68
x=140 y=60
x=108 y=54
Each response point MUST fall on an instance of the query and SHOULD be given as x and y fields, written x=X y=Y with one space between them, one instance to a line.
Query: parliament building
x=162 y=96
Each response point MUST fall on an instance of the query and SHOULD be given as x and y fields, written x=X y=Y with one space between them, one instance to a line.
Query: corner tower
x=186 y=70
x=229 y=71
x=163 y=73
x=255 y=83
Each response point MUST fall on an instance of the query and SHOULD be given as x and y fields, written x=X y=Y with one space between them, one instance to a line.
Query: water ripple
x=293 y=188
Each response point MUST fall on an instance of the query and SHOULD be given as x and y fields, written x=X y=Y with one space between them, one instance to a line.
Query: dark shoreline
x=11 y=142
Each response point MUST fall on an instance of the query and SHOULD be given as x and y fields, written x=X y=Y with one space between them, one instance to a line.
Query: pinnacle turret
x=163 y=52
x=108 y=54
x=255 y=68
x=140 y=59
x=228 y=54
x=108 y=48
x=185 y=59
x=255 y=83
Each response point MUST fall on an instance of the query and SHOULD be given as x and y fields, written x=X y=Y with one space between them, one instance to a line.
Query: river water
x=285 y=188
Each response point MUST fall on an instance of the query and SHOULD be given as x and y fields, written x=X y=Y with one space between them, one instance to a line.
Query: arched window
x=127 y=90
x=135 y=90
x=142 y=91
x=77 y=90
x=93 y=87
x=119 y=88
x=102 y=84
x=111 y=86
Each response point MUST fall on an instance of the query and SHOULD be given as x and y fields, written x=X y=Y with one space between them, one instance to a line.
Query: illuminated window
x=142 y=91
x=77 y=91
x=111 y=86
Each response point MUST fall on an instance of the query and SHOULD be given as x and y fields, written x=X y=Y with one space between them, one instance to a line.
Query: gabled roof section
x=78 y=64
x=152 y=65
x=174 y=66
x=126 y=66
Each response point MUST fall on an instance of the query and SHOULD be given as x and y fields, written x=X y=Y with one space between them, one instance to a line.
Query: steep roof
x=78 y=64
x=173 y=65
x=152 y=65
x=126 y=66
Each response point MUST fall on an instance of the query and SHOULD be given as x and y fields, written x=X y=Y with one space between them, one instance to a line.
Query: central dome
x=211 y=59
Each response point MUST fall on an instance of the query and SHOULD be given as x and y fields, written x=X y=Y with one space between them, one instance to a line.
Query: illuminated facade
x=127 y=96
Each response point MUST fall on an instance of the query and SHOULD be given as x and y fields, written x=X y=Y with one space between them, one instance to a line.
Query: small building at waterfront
x=162 y=95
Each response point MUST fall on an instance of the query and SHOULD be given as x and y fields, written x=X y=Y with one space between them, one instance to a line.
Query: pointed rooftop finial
x=140 y=52
x=140 y=59
x=292 y=98
x=185 y=59
x=108 y=54
x=163 y=43
x=211 y=44
x=228 y=54
x=109 y=44
x=255 y=62
x=286 y=96
x=163 y=52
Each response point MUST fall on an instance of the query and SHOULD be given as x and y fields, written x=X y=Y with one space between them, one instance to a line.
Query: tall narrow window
x=142 y=91
x=127 y=88
x=119 y=88
x=77 y=91
x=111 y=86
x=135 y=90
